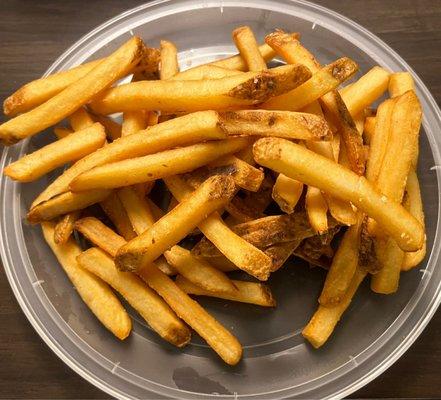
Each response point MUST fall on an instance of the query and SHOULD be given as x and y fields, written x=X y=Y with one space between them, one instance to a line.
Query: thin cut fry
x=80 y=119
x=64 y=228
x=206 y=71
x=113 y=129
x=169 y=60
x=143 y=299
x=133 y=122
x=248 y=48
x=286 y=193
x=64 y=103
x=247 y=292
x=400 y=83
x=369 y=129
x=95 y=293
x=315 y=170
x=317 y=209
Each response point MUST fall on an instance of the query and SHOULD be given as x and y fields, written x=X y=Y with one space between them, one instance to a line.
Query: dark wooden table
x=33 y=34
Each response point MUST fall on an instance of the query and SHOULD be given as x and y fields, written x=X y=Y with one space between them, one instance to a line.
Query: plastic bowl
x=277 y=362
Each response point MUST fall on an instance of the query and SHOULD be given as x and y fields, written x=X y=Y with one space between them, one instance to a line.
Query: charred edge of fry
x=343 y=68
x=367 y=255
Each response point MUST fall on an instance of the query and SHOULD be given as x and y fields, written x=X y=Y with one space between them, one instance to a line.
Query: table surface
x=34 y=34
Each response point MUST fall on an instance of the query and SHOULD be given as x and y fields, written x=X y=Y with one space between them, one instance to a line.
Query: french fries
x=169 y=60
x=205 y=71
x=113 y=129
x=95 y=293
x=65 y=226
x=286 y=193
x=247 y=292
x=80 y=119
x=248 y=48
x=400 y=83
x=317 y=209
x=369 y=130
x=64 y=103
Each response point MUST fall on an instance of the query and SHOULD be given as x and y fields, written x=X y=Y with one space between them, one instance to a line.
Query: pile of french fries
x=261 y=164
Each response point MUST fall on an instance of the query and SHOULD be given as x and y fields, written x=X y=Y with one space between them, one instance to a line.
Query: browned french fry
x=169 y=60
x=64 y=103
x=317 y=209
x=248 y=48
x=400 y=83
x=64 y=228
x=143 y=299
x=206 y=71
x=246 y=292
x=75 y=146
x=95 y=293
x=155 y=166
x=286 y=193
x=369 y=130
x=315 y=170
x=216 y=94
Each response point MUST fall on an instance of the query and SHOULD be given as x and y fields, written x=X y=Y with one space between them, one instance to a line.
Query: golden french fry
x=65 y=203
x=75 y=146
x=286 y=193
x=317 y=209
x=169 y=60
x=400 y=83
x=155 y=166
x=206 y=71
x=213 y=194
x=181 y=131
x=133 y=122
x=95 y=293
x=80 y=119
x=359 y=122
x=113 y=129
x=325 y=319
x=64 y=228
x=188 y=96
x=117 y=65
x=246 y=292
x=299 y=163
x=222 y=263
x=239 y=251
x=369 y=130
x=61 y=132
x=366 y=90
x=144 y=300
x=248 y=48
x=219 y=338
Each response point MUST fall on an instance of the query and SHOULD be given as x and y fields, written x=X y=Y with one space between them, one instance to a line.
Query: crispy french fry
x=169 y=60
x=65 y=203
x=369 y=130
x=216 y=94
x=248 y=48
x=359 y=122
x=65 y=226
x=213 y=194
x=61 y=132
x=75 y=146
x=155 y=166
x=222 y=263
x=133 y=122
x=95 y=293
x=315 y=170
x=366 y=90
x=113 y=129
x=181 y=131
x=286 y=193
x=149 y=305
x=239 y=251
x=219 y=338
x=80 y=119
x=247 y=292
x=64 y=103
x=317 y=209
x=325 y=319
x=206 y=71
x=400 y=83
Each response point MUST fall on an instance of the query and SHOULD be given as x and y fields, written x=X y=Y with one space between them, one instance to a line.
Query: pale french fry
x=413 y=203
x=369 y=130
x=206 y=71
x=117 y=65
x=247 y=257
x=248 y=48
x=61 y=132
x=286 y=193
x=144 y=300
x=64 y=228
x=95 y=293
x=188 y=96
x=247 y=292
x=181 y=131
x=213 y=194
x=155 y=166
x=366 y=90
x=325 y=319
x=315 y=170
x=219 y=338
x=400 y=83
x=80 y=119
x=75 y=146
x=113 y=129
x=65 y=203
x=317 y=209
x=169 y=60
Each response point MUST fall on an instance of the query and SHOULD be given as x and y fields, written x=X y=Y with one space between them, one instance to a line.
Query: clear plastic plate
x=277 y=362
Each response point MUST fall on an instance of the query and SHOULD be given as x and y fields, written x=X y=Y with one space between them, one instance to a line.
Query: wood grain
x=33 y=34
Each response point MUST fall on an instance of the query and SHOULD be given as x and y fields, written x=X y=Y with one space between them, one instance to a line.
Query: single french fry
x=95 y=293
x=188 y=96
x=359 y=122
x=312 y=169
x=247 y=257
x=155 y=166
x=366 y=90
x=286 y=193
x=144 y=300
x=61 y=132
x=80 y=119
x=133 y=122
x=206 y=71
x=325 y=319
x=219 y=338
x=65 y=226
x=169 y=60
x=65 y=203
x=317 y=209
x=222 y=263
x=213 y=194
x=400 y=83
x=246 y=292
x=75 y=146
x=113 y=129
x=181 y=131
x=248 y=48
x=369 y=130
x=74 y=96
